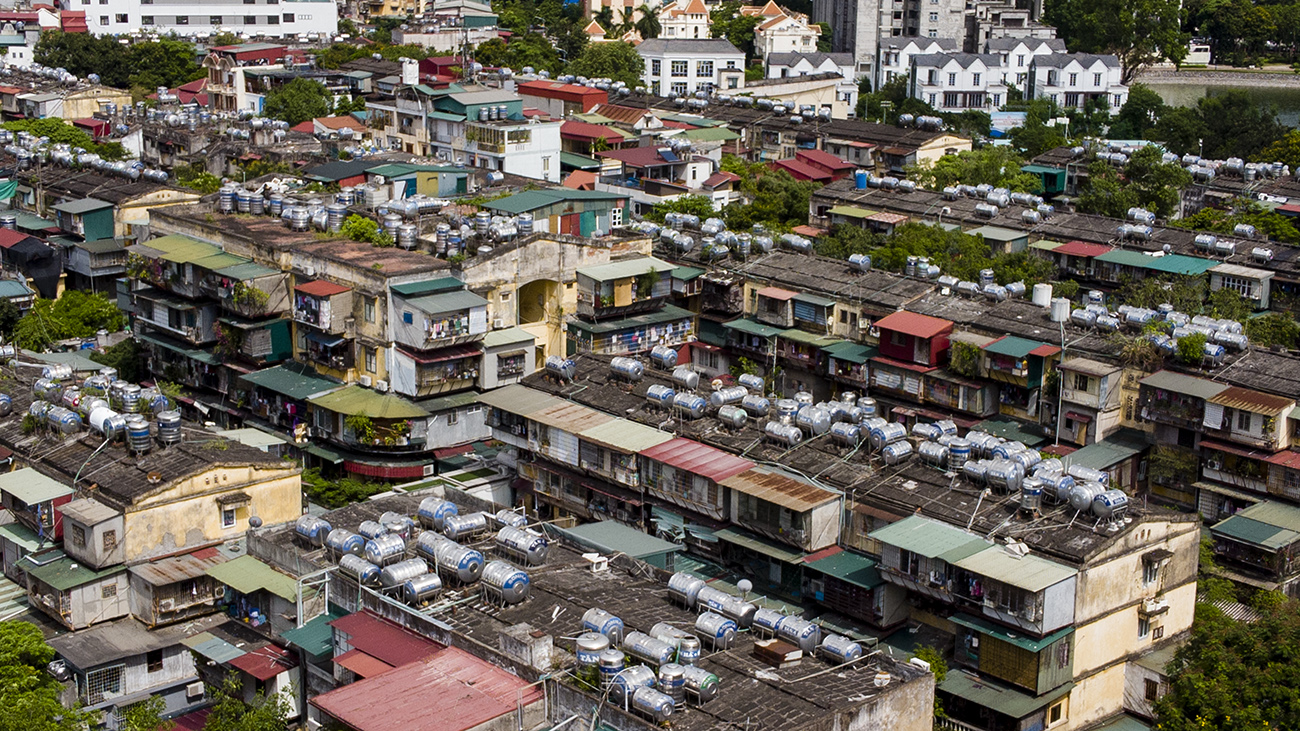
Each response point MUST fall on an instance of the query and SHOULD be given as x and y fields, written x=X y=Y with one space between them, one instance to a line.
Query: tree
x=844 y=240
x=1138 y=115
x=1147 y=182
x=1227 y=304
x=996 y=166
x=366 y=230
x=1275 y=328
x=145 y=715
x=1235 y=676
x=1035 y=137
x=616 y=60
x=1237 y=126
x=824 y=40
x=9 y=317
x=1191 y=348
x=231 y=713
x=126 y=357
x=1270 y=224
x=29 y=696
x=76 y=314
x=1285 y=150
x=61 y=132
x=727 y=22
x=196 y=178
x=1139 y=32
x=164 y=62
x=83 y=54
x=298 y=101
x=648 y=24
x=778 y=200
x=695 y=205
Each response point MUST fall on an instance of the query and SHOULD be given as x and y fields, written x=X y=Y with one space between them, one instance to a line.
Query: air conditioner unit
x=309 y=271
x=498 y=323
x=166 y=605
x=381 y=386
x=219 y=591
x=364 y=381
x=194 y=690
x=427 y=471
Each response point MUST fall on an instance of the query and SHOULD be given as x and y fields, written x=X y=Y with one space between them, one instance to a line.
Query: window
x=1020 y=60
x=453 y=417
x=103 y=20
x=731 y=65
x=678 y=89
x=511 y=365
x=615 y=219
x=1056 y=713
x=110 y=540
x=704 y=69
x=78 y=536
x=1080 y=382
x=934 y=33
x=408 y=318
x=153 y=660
x=1074 y=79
x=371 y=359
x=1144 y=627
x=288 y=17
x=273 y=20
x=732 y=82
x=1239 y=285
x=146 y=20
x=1119 y=101
x=680 y=68
x=1243 y=421
x=250 y=20
x=370 y=309
x=215 y=20
x=975 y=79
x=227 y=517
x=655 y=67
x=182 y=20
x=108 y=591
x=1096 y=79
x=934 y=17
x=951 y=99
x=1150 y=572
x=1152 y=690
x=103 y=684
x=952 y=79
x=120 y=18
x=1157 y=633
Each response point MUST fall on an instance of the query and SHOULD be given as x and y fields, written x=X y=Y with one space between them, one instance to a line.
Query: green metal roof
x=815 y=299
x=710 y=134
x=201 y=356
x=1114 y=449
x=687 y=274
x=1124 y=723
x=427 y=286
x=32 y=222
x=1275 y=513
x=1011 y=430
x=520 y=400
x=851 y=211
x=219 y=260
x=247 y=575
x=182 y=249
x=579 y=162
x=245 y=270
x=397 y=169
x=1169 y=263
x=666 y=314
x=1046 y=245
x=1013 y=346
x=450 y=401
x=930 y=538
x=298 y=382
x=64 y=573
x=12 y=288
x=807 y=338
x=532 y=200
x=316 y=637
x=21 y=536
x=436 y=304
x=212 y=647
x=692 y=120
x=32 y=487
x=1031 y=573
x=610 y=536
x=324 y=453
x=751 y=327
x=1014 y=638
x=626 y=269
x=625 y=436
x=768 y=548
x=1255 y=532
x=1180 y=383
x=1001 y=698
x=508 y=336
x=997 y=233
x=1040 y=169
x=850 y=568
x=849 y=351
x=356 y=400
x=85 y=205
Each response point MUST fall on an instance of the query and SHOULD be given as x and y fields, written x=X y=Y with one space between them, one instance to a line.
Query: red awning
x=454 y=352
x=446 y=452
x=1234 y=449
x=1078 y=417
x=362 y=664
x=386 y=471
x=266 y=663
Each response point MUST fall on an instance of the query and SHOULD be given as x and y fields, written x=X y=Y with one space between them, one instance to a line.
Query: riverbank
x=1222 y=77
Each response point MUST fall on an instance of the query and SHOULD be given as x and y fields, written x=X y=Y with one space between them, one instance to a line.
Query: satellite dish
x=745 y=586
x=255 y=522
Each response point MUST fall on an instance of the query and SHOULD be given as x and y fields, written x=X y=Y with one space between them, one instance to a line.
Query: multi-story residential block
x=680 y=67
x=1091 y=400
x=958 y=81
x=305 y=19
x=1254 y=285
x=623 y=309
x=1017 y=53
x=780 y=31
x=895 y=58
x=558 y=100
x=786 y=65
x=1073 y=80
x=684 y=19
x=648 y=176
x=987 y=20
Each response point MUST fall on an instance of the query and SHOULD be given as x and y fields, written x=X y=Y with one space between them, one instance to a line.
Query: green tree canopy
x=1271 y=224
x=149 y=64
x=727 y=22
x=76 y=314
x=1147 y=182
x=60 y=131
x=164 y=62
x=697 y=205
x=298 y=101
x=29 y=696
x=997 y=166
x=127 y=357
x=1220 y=126
x=1191 y=348
x=1035 y=136
x=1274 y=328
x=231 y=713
x=778 y=200
x=614 y=60
x=1138 y=115
x=1139 y=32
x=1285 y=150
x=648 y=24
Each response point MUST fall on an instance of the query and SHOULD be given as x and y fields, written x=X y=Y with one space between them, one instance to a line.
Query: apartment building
x=779 y=31
x=648 y=176
x=1073 y=80
x=684 y=19
x=958 y=81
x=308 y=19
x=682 y=67
x=1018 y=53
x=895 y=58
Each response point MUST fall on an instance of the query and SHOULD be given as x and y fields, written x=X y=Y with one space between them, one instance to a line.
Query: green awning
x=750 y=327
x=427 y=286
x=316 y=637
x=32 y=487
x=21 y=536
x=437 y=304
x=768 y=548
x=687 y=274
x=814 y=299
x=1012 y=431
x=851 y=352
x=1041 y=169
x=247 y=575
x=998 y=697
x=710 y=134
x=669 y=313
x=1031 y=573
x=64 y=573
x=578 y=162
x=328 y=455
x=851 y=212
x=930 y=538
x=610 y=536
x=1114 y=449
x=1046 y=245
x=450 y=401
x=297 y=382
x=245 y=270
x=356 y=400
x=807 y=338
x=625 y=269
x=212 y=647
x=850 y=568
x=201 y=356
x=507 y=336
x=1006 y=635
x=1013 y=346
x=1254 y=532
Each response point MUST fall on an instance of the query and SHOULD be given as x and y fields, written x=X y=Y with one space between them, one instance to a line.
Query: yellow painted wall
x=190 y=505
x=1095 y=698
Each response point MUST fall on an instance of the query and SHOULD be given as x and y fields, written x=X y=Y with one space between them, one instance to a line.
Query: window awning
x=760 y=545
x=234 y=499
x=325 y=340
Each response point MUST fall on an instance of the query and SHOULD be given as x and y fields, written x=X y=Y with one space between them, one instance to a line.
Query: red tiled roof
x=914 y=324
x=266 y=663
x=1290 y=458
x=362 y=664
x=697 y=458
x=11 y=90
x=580 y=180
x=322 y=288
x=892 y=219
x=308 y=127
x=192 y=721
x=542 y=85
x=1081 y=248
x=9 y=237
x=823 y=158
x=470 y=694
x=638 y=157
x=74 y=21
x=195 y=86
x=1043 y=351
x=341 y=122
x=800 y=169
x=777 y=293
x=806 y=230
x=11 y=16
x=619 y=113
x=719 y=178
x=586 y=130
x=1234 y=449
x=385 y=640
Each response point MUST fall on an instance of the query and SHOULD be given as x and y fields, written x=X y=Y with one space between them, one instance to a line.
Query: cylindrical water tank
x=1087 y=474
x=787 y=434
x=660 y=395
x=524 y=545
x=457 y=561
x=385 y=549
x=508 y=583
x=717 y=629
x=786 y=408
x=922 y=430
x=64 y=421
x=896 y=452
x=646 y=648
x=933 y=453
x=399 y=572
x=344 y=542
x=138 y=438
x=766 y=621
x=800 y=632
x=587 y=648
x=1005 y=474
x=685 y=588
x=1110 y=504
x=672 y=682
x=756 y=406
x=849 y=435
x=169 y=427
x=312 y=529
x=886 y=434
x=1082 y=494
x=457 y=527
x=627 y=369
x=561 y=368
x=611 y=664
x=107 y=422
x=752 y=382
x=686 y=378
x=371 y=529
x=813 y=421
x=840 y=649
x=689 y=406
x=663 y=357
x=360 y=569
x=701 y=683
x=421 y=590
x=433 y=510
x=728 y=395
x=732 y=417
x=958 y=452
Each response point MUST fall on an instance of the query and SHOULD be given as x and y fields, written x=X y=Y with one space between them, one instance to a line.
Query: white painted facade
x=786 y=34
x=683 y=67
x=958 y=81
x=787 y=65
x=273 y=18
x=684 y=19
x=528 y=148
x=1073 y=79
x=1018 y=53
x=895 y=58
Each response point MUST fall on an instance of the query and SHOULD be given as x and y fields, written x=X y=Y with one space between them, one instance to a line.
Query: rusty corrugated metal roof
x=385 y=640
x=570 y=417
x=178 y=568
x=1235 y=397
x=699 y=459
x=779 y=488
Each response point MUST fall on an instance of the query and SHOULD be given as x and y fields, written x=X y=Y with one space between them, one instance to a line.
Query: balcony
x=597 y=306
x=323 y=305
x=1180 y=415
x=1082 y=398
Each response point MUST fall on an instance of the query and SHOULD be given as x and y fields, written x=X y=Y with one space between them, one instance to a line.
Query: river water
x=1285 y=99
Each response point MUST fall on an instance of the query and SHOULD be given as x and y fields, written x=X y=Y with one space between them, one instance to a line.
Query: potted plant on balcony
x=363 y=427
x=248 y=299
x=398 y=434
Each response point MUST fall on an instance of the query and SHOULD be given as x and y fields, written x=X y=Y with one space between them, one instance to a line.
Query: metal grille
x=103 y=684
